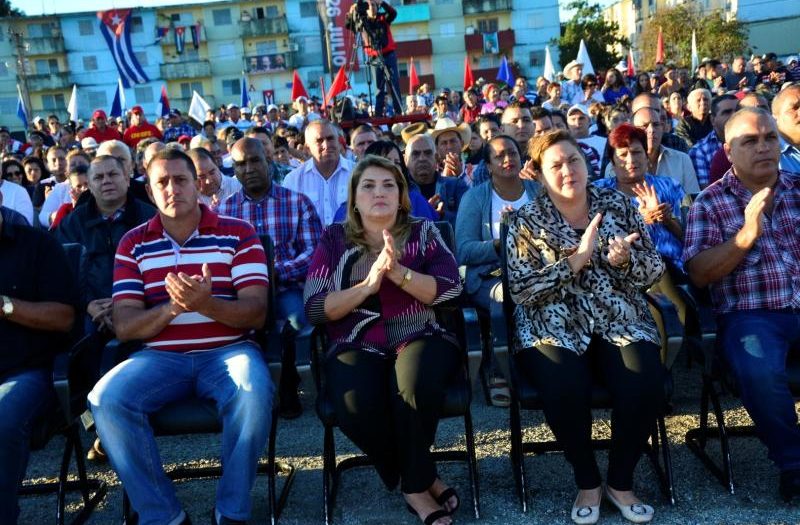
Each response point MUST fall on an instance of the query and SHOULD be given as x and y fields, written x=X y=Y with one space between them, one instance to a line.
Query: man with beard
x=291 y=221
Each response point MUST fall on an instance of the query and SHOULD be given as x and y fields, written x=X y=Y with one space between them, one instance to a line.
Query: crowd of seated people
x=605 y=202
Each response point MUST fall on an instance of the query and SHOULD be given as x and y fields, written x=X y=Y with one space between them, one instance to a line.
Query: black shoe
x=224 y=520
x=289 y=406
x=790 y=485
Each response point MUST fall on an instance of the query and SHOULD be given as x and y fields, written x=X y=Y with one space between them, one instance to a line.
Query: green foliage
x=716 y=37
x=600 y=36
x=7 y=10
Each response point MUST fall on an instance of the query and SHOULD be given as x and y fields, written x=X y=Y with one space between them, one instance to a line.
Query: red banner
x=339 y=39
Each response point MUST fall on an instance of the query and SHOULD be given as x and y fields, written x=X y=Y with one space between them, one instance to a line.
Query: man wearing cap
x=571 y=89
x=325 y=176
x=302 y=116
x=177 y=127
x=99 y=130
x=450 y=139
x=235 y=119
x=273 y=118
x=578 y=120
x=89 y=146
x=139 y=128
x=443 y=193
x=786 y=110
x=773 y=74
x=793 y=69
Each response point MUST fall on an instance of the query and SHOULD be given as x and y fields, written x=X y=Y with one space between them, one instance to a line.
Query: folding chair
x=312 y=343
x=71 y=380
x=525 y=395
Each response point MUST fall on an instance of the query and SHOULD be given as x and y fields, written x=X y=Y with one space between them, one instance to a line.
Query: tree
x=716 y=37
x=600 y=35
x=6 y=9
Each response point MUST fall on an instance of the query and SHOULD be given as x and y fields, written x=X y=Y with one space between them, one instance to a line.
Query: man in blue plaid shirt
x=291 y=220
x=722 y=107
x=743 y=243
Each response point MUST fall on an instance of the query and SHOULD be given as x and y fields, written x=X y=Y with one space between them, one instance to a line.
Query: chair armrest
x=472 y=330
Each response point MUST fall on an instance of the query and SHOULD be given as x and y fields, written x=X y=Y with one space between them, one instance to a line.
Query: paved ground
x=364 y=501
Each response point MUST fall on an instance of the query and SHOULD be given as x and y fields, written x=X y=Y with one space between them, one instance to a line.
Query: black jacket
x=100 y=238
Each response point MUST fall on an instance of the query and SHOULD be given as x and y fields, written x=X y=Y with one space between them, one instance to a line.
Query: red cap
x=137 y=109
x=184 y=138
x=99 y=113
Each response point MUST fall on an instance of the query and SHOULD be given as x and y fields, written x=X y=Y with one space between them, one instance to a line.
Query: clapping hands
x=385 y=263
x=188 y=293
x=652 y=211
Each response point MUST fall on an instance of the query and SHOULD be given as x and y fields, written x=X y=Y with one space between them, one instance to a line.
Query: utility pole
x=18 y=42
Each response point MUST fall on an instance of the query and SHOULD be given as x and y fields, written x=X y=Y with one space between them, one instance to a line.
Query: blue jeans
x=489 y=297
x=235 y=377
x=24 y=396
x=289 y=305
x=390 y=59
x=755 y=344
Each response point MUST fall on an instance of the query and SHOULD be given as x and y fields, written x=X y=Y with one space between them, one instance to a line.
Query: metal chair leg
x=328 y=475
x=472 y=465
x=517 y=453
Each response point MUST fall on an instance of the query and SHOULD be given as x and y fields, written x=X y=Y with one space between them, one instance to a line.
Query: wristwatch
x=406 y=279
x=8 y=306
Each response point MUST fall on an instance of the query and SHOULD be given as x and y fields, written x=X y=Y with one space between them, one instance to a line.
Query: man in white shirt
x=303 y=116
x=325 y=176
x=215 y=187
x=15 y=197
x=571 y=90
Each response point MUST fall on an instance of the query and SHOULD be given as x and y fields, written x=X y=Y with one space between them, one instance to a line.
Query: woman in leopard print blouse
x=578 y=260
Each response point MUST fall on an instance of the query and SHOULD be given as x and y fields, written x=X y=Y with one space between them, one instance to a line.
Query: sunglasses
x=12 y=173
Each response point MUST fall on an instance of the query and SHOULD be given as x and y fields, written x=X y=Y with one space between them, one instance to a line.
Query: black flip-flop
x=446 y=494
x=431 y=518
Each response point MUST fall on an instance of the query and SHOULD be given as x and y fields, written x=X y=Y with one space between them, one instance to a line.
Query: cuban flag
x=115 y=28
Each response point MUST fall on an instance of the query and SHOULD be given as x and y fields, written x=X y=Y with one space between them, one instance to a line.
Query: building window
x=90 y=63
x=8 y=105
x=487 y=61
x=226 y=50
x=271 y=11
x=537 y=58
x=231 y=87
x=308 y=9
x=265 y=48
x=143 y=95
x=222 y=17
x=535 y=21
x=96 y=99
x=141 y=56
x=488 y=25
x=40 y=30
x=175 y=17
x=190 y=54
x=448 y=29
x=137 y=26
x=46 y=66
x=188 y=87
x=53 y=102
x=402 y=68
x=86 y=27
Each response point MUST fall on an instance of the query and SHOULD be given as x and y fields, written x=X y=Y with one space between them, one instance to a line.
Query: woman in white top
x=478 y=235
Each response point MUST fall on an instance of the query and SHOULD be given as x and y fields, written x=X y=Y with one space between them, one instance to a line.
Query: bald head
x=786 y=110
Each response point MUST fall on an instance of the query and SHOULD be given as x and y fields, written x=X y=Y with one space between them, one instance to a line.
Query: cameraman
x=366 y=16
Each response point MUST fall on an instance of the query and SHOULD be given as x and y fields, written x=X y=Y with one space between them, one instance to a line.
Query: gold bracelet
x=406 y=278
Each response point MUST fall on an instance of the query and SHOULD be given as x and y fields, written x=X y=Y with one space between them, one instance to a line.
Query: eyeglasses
x=13 y=173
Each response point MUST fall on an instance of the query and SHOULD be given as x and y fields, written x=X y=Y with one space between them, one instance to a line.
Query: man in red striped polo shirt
x=191 y=285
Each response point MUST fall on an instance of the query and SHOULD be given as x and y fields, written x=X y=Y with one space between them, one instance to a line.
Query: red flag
x=298 y=89
x=413 y=79
x=340 y=85
x=469 y=81
x=322 y=90
x=631 y=66
x=660 y=48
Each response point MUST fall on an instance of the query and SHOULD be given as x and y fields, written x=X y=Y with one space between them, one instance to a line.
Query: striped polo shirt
x=146 y=255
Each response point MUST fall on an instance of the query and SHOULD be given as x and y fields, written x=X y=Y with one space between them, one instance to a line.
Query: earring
x=355 y=209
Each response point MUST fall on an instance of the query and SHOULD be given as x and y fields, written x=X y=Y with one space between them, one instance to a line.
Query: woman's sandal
x=445 y=496
x=499 y=392
x=431 y=518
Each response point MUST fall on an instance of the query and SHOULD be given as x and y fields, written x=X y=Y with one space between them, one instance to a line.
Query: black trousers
x=390 y=408
x=635 y=377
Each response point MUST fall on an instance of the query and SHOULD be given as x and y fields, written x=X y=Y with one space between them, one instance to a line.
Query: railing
x=472 y=7
x=264 y=27
x=48 y=82
x=188 y=69
x=45 y=45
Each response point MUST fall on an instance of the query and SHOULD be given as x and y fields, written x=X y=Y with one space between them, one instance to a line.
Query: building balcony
x=51 y=45
x=49 y=82
x=423 y=79
x=408 y=14
x=269 y=63
x=505 y=40
x=188 y=69
x=263 y=27
x=414 y=48
x=474 y=7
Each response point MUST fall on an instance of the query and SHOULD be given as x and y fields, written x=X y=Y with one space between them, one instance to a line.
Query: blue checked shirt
x=174 y=133
x=669 y=191
x=701 y=155
x=290 y=219
x=790 y=157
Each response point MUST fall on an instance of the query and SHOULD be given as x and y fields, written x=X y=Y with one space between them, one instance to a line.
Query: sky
x=37 y=7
